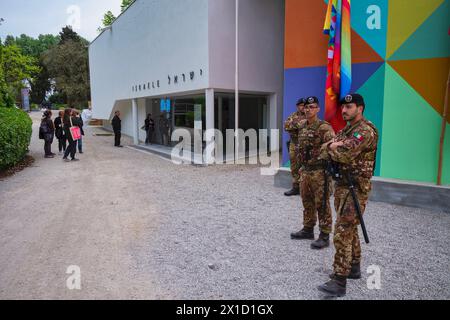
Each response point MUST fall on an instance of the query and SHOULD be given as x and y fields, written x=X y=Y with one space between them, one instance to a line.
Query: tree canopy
x=15 y=69
x=6 y=98
x=125 y=4
x=48 y=62
x=40 y=82
x=109 y=17
x=31 y=46
x=67 y=63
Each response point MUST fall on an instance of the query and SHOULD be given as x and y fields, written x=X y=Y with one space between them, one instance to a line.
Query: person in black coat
x=59 y=132
x=149 y=128
x=117 y=127
x=68 y=122
x=47 y=132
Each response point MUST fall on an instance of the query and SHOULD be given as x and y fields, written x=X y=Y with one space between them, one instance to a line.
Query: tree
x=33 y=47
x=125 y=4
x=68 y=34
x=40 y=84
x=109 y=17
x=67 y=64
x=10 y=40
x=17 y=68
x=5 y=98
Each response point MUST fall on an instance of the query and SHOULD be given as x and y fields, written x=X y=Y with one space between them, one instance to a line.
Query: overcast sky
x=34 y=17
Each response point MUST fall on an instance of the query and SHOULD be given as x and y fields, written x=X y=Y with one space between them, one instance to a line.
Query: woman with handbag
x=79 y=123
x=47 y=132
x=68 y=125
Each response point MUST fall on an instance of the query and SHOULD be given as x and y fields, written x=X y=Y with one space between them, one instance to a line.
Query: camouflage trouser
x=346 y=238
x=312 y=185
x=295 y=164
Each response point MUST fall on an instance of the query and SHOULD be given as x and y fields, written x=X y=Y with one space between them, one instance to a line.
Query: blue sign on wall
x=165 y=105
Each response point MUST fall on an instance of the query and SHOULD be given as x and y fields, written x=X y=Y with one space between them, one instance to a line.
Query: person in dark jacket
x=59 y=132
x=79 y=123
x=149 y=128
x=117 y=127
x=47 y=131
x=164 y=128
x=68 y=122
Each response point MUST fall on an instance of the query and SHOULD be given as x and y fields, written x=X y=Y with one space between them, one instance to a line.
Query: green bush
x=15 y=135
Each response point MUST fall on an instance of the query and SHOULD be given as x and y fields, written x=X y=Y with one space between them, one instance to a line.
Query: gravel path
x=140 y=227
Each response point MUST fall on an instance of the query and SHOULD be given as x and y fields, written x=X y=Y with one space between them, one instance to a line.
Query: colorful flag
x=339 y=69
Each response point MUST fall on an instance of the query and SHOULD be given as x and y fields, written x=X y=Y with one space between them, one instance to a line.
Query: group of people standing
x=164 y=129
x=60 y=128
x=149 y=127
x=314 y=148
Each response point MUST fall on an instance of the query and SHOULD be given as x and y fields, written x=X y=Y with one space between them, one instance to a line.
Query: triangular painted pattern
x=362 y=52
x=411 y=129
x=405 y=16
x=373 y=93
x=430 y=40
x=428 y=77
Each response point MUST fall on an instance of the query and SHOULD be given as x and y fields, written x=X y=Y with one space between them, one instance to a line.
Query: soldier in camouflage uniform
x=354 y=149
x=315 y=184
x=291 y=126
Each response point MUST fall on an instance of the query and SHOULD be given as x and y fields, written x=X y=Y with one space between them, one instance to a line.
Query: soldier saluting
x=314 y=181
x=291 y=126
x=354 y=150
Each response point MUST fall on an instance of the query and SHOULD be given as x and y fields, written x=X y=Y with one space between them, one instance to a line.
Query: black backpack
x=43 y=129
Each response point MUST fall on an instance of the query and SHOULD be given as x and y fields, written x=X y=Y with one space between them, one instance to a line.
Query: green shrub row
x=15 y=135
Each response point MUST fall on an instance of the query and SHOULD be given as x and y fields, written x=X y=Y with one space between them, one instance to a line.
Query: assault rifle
x=335 y=172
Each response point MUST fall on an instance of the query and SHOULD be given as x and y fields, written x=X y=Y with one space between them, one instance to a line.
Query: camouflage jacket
x=292 y=124
x=311 y=137
x=358 y=154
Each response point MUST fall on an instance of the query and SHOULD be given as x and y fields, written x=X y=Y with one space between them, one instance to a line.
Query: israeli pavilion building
x=164 y=57
x=167 y=56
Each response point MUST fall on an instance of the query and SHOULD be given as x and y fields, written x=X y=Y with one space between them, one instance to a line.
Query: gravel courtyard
x=140 y=227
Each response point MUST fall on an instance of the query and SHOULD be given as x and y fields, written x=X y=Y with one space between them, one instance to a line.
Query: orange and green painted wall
x=401 y=61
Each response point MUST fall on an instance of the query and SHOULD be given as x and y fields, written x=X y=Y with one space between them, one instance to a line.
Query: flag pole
x=444 y=125
x=236 y=103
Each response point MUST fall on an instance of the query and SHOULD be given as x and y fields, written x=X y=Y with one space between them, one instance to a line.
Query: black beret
x=301 y=101
x=311 y=100
x=353 y=98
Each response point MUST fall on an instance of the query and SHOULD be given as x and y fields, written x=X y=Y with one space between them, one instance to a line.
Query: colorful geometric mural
x=401 y=61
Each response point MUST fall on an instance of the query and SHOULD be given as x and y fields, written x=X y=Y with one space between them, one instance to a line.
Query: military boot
x=336 y=287
x=355 y=273
x=295 y=191
x=304 y=234
x=322 y=242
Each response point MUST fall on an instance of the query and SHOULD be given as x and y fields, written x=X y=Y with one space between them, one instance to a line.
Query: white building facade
x=163 y=57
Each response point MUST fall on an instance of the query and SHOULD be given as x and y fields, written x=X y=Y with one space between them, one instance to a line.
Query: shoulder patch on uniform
x=358 y=136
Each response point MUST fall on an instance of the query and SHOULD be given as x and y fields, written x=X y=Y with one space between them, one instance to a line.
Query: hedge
x=15 y=136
